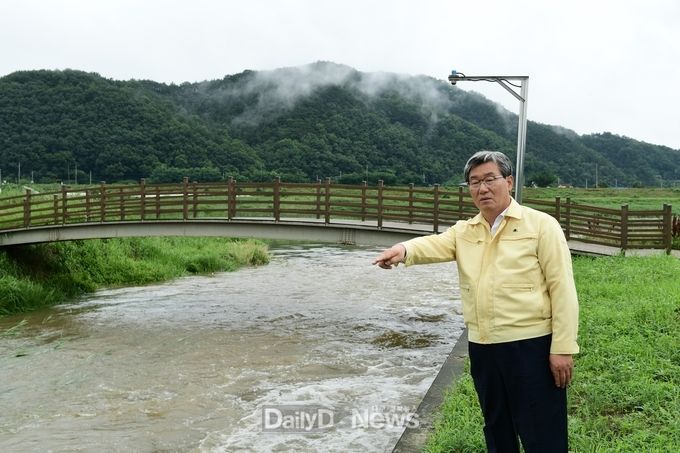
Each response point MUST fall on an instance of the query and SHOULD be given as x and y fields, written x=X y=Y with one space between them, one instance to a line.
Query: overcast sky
x=594 y=65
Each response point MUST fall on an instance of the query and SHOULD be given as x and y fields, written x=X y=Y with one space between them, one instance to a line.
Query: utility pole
x=19 y=173
x=597 y=180
x=76 y=173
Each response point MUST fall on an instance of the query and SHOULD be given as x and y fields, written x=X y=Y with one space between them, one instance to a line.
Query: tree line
x=63 y=125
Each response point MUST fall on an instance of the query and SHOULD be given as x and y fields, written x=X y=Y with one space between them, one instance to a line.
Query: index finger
x=387 y=255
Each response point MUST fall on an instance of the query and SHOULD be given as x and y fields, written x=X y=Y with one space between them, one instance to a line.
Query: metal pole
x=521 y=139
x=522 y=120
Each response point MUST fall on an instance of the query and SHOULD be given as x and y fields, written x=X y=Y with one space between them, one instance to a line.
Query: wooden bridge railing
x=434 y=206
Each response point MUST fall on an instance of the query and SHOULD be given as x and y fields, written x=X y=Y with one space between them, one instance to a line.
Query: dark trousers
x=518 y=396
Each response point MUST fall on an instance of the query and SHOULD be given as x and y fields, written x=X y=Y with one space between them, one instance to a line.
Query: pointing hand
x=393 y=255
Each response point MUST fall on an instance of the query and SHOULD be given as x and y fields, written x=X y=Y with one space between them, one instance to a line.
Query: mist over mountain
x=301 y=123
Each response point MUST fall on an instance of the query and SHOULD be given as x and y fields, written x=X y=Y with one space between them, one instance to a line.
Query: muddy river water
x=236 y=361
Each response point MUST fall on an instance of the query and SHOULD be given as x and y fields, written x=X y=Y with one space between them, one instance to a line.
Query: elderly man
x=519 y=305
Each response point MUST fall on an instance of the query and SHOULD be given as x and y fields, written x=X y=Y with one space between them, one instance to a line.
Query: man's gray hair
x=482 y=157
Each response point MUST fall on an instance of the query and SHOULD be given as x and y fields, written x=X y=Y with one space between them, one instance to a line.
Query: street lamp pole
x=522 y=97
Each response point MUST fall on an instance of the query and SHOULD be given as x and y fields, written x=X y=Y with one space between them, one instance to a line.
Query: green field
x=636 y=199
x=12 y=190
x=625 y=396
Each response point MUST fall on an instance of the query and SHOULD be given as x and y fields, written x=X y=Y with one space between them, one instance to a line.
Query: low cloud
x=280 y=90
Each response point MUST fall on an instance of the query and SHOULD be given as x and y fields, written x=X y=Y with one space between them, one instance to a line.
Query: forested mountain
x=315 y=121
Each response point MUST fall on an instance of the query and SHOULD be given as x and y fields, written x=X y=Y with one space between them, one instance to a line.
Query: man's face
x=490 y=197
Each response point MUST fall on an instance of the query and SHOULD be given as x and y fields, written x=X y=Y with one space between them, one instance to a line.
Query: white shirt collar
x=497 y=222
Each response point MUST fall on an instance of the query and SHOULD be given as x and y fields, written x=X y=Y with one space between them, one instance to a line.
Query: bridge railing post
x=185 y=198
x=435 y=209
x=88 y=204
x=55 y=205
x=624 y=228
x=231 y=198
x=410 y=203
x=64 y=197
x=277 y=199
x=567 y=220
x=27 y=208
x=327 y=207
x=667 y=228
x=102 y=201
x=142 y=199
x=318 y=198
x=381 y=186
x=558 y=209
x=158 y=202
x=194 y=200
x=121 y=203
x=363 y=201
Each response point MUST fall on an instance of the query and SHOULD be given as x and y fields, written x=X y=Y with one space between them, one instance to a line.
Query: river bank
x=626 y=391
x=45 y=274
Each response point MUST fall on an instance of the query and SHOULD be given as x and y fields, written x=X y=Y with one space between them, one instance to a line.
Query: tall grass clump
x=36 y=275
x=626 y=391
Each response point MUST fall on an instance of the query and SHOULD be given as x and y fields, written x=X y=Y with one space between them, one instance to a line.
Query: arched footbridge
x=320 y=212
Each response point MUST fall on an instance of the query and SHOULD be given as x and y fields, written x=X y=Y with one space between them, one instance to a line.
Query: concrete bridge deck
x=349 y=232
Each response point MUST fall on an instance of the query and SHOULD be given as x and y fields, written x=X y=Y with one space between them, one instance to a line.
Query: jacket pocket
x=468 y=297
x=517 y=304
x=519 y=253
x=519 y=286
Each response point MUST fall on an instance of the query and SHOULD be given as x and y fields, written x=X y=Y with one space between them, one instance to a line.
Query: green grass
x=33 y=276
x=636 y=199
x=626 y=393
x=12 y=190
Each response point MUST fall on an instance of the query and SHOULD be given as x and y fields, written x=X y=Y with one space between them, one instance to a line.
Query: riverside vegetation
x=33 y=276
x=625 y=396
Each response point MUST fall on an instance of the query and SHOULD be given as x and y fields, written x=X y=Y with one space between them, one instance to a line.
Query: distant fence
x=434 y=206
x=624 y=228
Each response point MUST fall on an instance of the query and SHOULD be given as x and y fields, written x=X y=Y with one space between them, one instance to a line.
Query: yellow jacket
x=517 y=285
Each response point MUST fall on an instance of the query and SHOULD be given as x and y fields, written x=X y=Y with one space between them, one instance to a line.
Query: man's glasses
x=488 y=181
